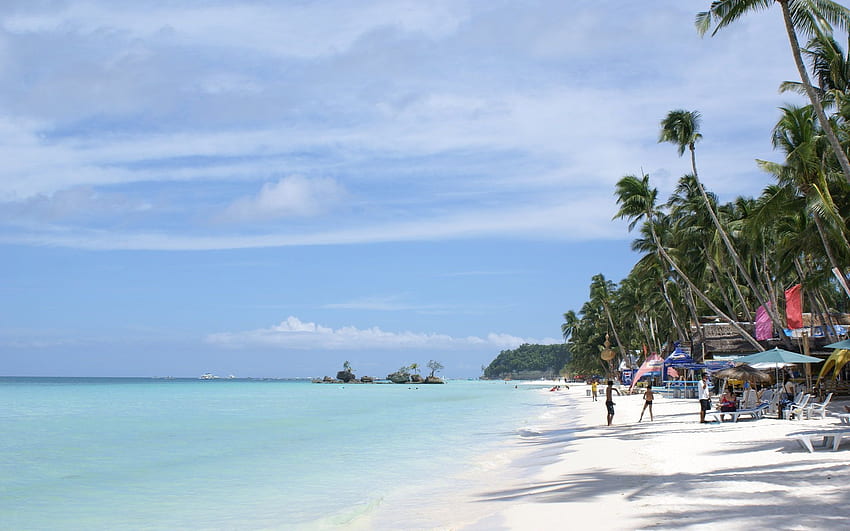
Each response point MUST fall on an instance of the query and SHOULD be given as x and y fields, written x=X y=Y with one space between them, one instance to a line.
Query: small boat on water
x=208 y=376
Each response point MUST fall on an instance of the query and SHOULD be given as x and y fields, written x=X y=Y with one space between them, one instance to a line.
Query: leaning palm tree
x=652 y=270
x=798 y=136
x=637 y=202
x=810 y=18
x=681 y=127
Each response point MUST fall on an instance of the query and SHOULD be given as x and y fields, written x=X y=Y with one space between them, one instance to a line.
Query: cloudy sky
x=270 y=188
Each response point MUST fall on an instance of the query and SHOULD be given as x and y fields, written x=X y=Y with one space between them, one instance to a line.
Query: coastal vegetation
x=410 y=374
x=405 y=374
x=528 y=362
x=701 y=257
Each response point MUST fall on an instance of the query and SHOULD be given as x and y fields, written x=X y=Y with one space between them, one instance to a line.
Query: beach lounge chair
x=844 y=418
x=830 y=439
x=818 y=408
x=755 y=412
x=749 y=400
x=772 y=400
x=796 y=410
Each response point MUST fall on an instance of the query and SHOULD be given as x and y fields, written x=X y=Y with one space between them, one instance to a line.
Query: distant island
x=528 y=362
x=406 y=374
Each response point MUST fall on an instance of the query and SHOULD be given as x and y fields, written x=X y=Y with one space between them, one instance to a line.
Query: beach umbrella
x=840 y=344
x=777 y=357
x=743 y=372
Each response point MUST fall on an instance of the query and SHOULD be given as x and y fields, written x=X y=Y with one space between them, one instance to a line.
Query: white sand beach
x=670 y=473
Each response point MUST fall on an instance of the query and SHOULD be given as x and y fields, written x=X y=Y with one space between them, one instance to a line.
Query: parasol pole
x=808 y=367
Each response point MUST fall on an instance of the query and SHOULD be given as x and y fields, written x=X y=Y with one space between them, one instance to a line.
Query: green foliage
x=549 y=359
x=434 y=366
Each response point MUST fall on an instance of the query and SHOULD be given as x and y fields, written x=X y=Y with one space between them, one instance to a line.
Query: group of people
x=728 y=400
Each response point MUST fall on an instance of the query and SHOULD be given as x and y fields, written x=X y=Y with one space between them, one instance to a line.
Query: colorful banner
x=651 y=365
x=764 y=328
x=794 y=306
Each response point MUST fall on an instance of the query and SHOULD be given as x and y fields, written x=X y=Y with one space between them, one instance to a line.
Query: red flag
x=794 y=306
x=764 y=328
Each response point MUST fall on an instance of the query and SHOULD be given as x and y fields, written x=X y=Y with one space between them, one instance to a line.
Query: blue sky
x=271 y=188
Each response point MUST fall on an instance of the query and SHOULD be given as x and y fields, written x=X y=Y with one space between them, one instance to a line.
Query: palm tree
x=665 y=233
x=798 y=136
x=637 y=202
x=681 y=127
x=434 y=366
x=570 y=325
x=584 y=338
x=831 y=68
x=810 y=18
x=639 y=302
x=600 y=294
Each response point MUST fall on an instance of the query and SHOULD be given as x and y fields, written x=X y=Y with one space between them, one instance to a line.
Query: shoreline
x=670 y=473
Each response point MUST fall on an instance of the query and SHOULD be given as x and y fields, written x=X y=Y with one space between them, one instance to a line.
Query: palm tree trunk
x=817 y=299
x=692 y=307
x=810 y=91
x=713 y=268
x=825 y=317
x=655 y=343
x=760 y=295
x=614 y=329
x=746 y=335
x=669 y=301
x=825 y=240
x=647 y=338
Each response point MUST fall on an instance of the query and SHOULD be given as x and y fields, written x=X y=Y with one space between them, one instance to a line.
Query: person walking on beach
x=704 y=398
x=648 y=395
x=609 y=403
x=593 y=389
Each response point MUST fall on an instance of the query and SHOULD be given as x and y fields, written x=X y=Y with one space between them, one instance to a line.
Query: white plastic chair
x=798 y=409
x=818 y=409
x=749 y=399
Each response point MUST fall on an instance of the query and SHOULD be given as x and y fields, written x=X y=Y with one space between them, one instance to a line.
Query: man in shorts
x=609 y=402
x=704 y=398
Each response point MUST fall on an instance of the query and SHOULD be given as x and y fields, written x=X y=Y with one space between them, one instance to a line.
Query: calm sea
x=101 y=453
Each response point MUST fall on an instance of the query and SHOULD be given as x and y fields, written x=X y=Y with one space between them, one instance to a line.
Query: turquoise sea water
x=238 y=454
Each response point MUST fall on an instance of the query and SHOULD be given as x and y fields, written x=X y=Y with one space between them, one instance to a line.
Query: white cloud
x=290 y=196
x=72 y=204
x=579 y=218
x=438 y=120
x=384 y=304
x=296 y=334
